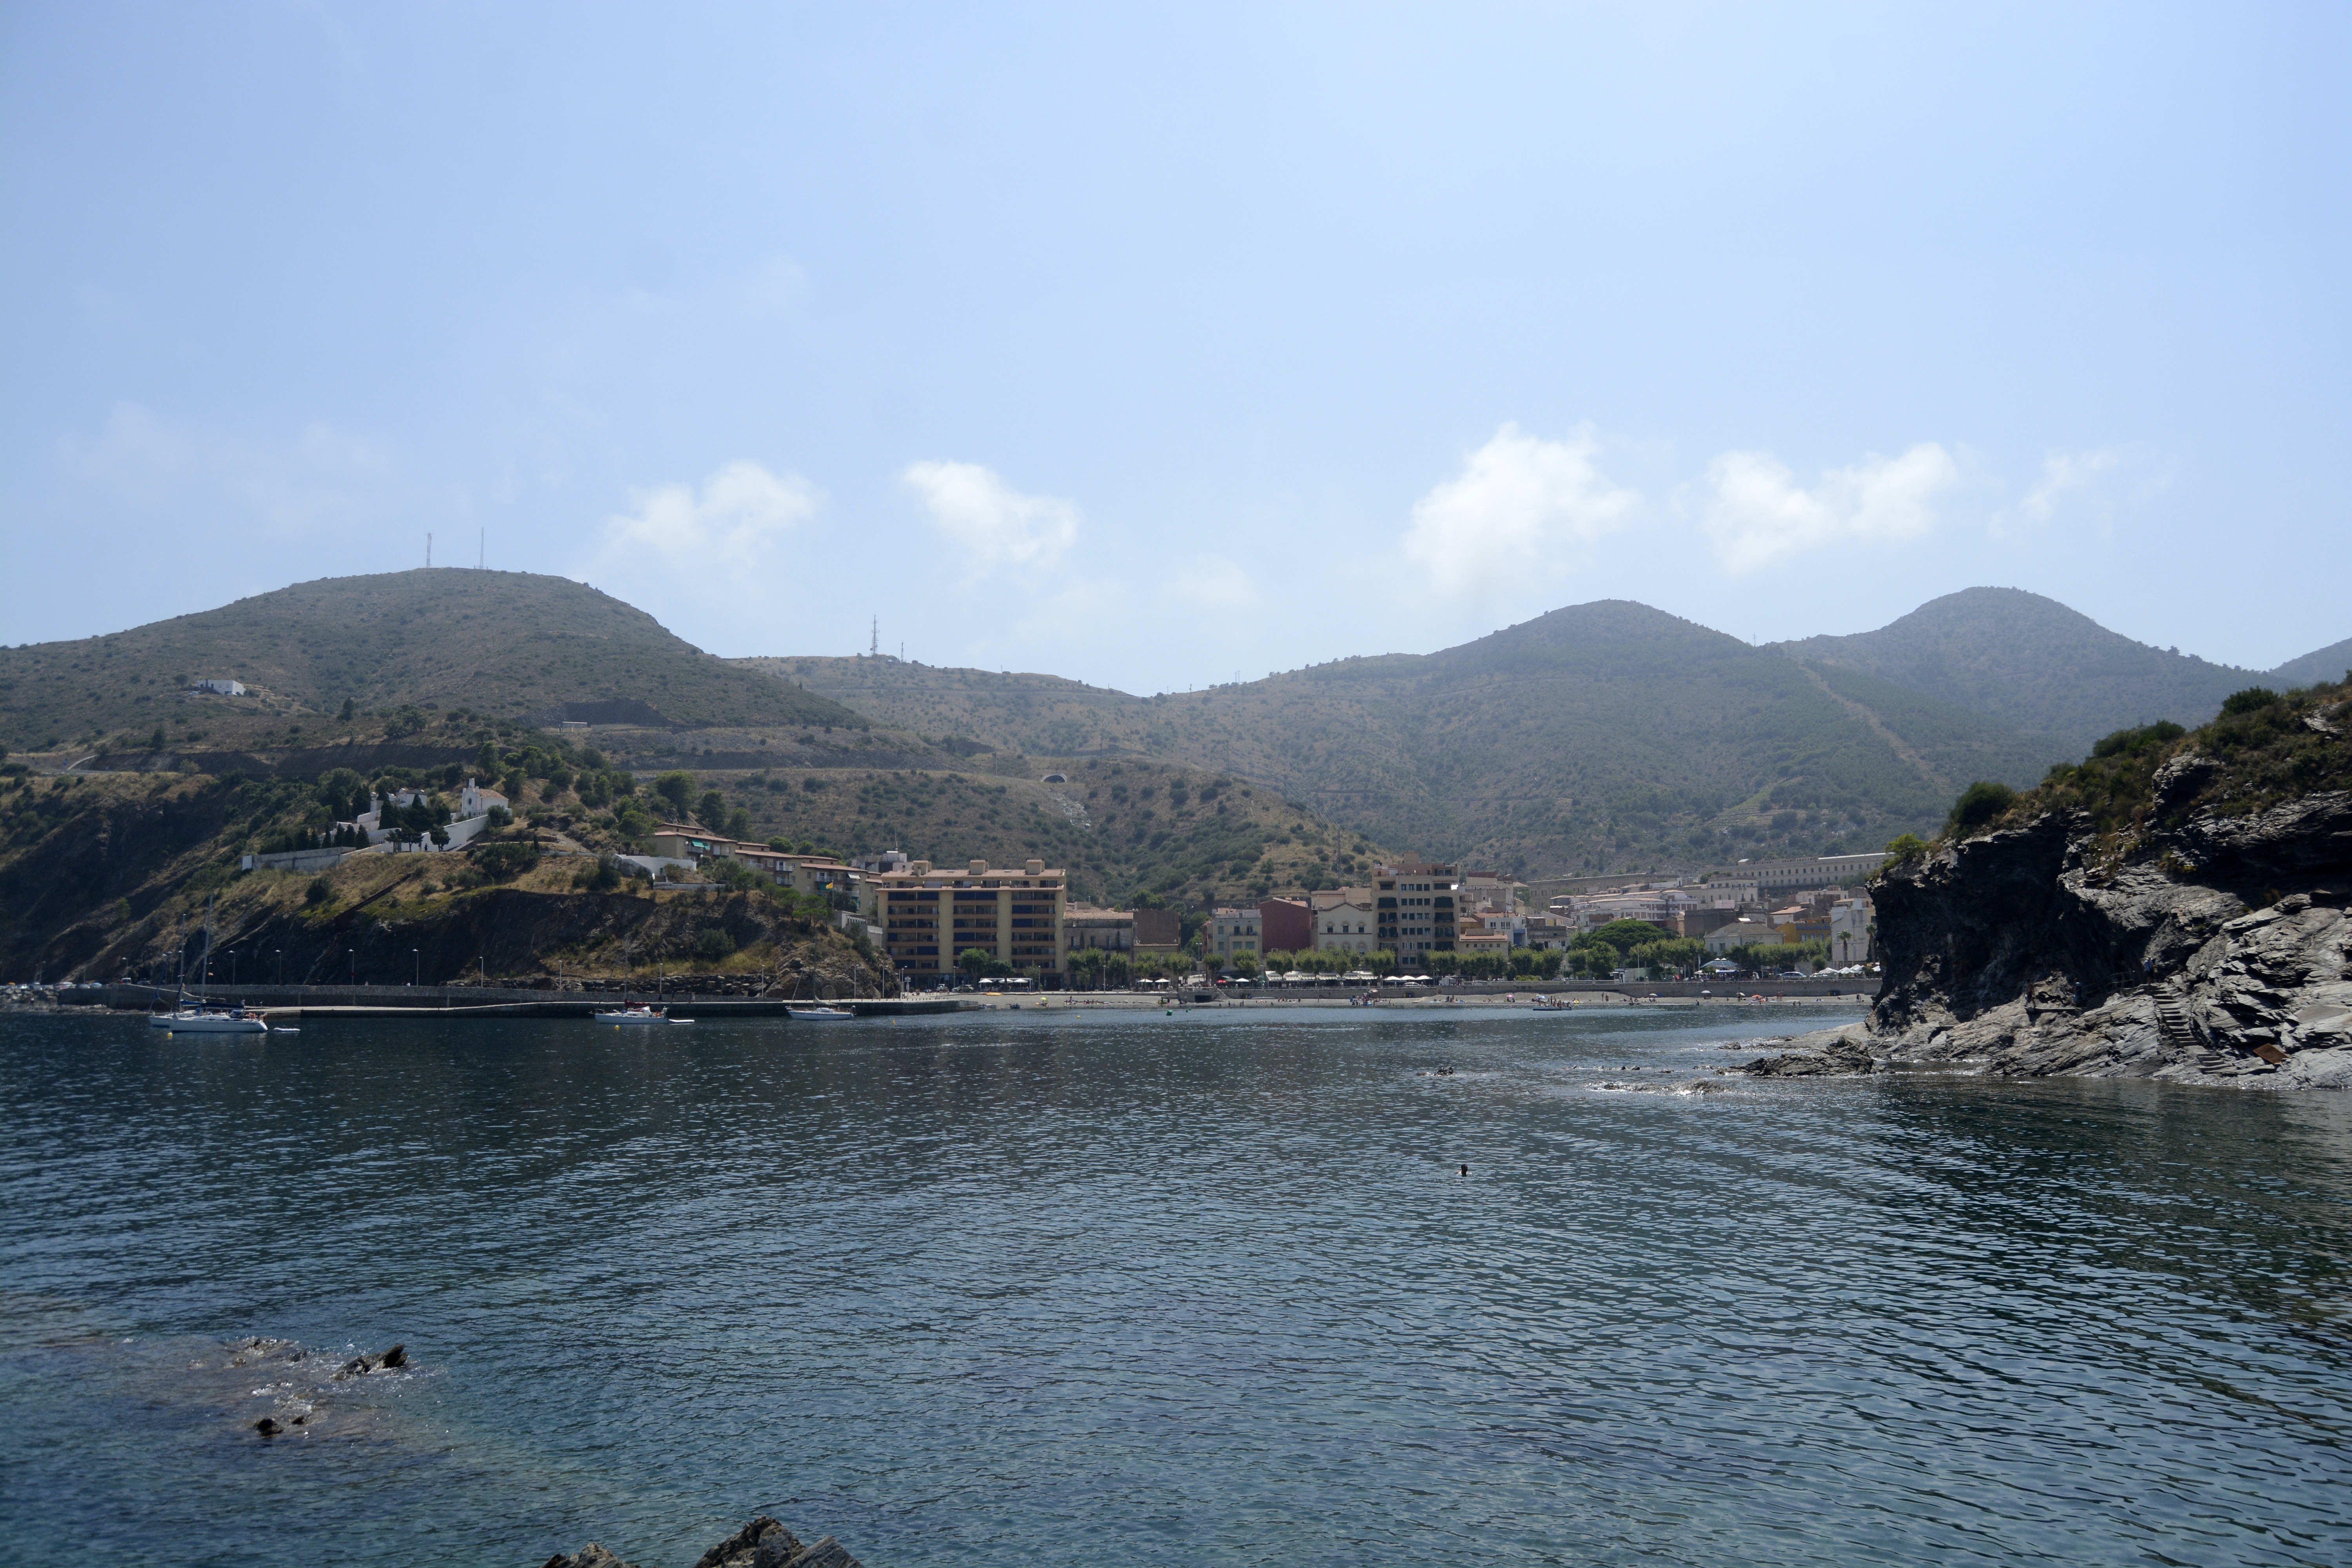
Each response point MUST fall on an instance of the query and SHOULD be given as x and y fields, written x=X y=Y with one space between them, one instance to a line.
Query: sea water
x=1037 y=1287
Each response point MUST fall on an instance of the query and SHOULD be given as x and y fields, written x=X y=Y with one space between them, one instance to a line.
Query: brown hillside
x=508 y=644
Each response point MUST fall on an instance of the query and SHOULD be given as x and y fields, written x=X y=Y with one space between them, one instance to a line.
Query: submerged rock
x=763 y=1543
x=383 y=1361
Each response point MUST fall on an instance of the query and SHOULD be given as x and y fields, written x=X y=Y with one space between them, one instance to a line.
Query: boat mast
x=205 y=984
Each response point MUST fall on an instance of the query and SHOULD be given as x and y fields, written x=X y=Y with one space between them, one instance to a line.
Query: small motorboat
x=820 y=1011
x=639 y=1014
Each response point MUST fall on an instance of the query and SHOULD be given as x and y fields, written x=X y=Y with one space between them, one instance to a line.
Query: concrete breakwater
x=495 y=1001
x=486 y=1001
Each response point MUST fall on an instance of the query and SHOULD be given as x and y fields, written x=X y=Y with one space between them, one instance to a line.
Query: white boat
x=196 y=1021
x=820 y=1012
x=639 y=1014
x=193 y=1017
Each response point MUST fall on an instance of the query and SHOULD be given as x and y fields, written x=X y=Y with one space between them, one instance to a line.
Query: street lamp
x=281 y=963
x=418 y=977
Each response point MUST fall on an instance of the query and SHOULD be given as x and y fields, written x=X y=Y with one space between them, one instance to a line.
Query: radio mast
x=874 y=646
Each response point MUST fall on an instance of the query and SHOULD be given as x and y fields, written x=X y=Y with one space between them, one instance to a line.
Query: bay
x=1138 y=1289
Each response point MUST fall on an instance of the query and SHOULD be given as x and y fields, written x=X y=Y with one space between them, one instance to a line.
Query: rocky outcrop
x=2209 y=948
x=763 y=1543
x=1828 y=1053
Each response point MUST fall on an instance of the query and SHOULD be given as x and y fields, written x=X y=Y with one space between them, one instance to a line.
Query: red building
x=1284 y=925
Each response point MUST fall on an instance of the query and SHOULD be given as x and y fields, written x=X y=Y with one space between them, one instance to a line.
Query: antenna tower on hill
x=874 y=646
x=428 y=547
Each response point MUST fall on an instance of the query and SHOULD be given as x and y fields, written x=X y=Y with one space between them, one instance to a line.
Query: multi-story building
x=1483 y=890
x=1159 y=933
x=1343 y=919
x=1548 y=932
x=930 y=916
x=1775 y=879
x=1105 y=931
x=801 y=873
x=1658 y=906
x=1414 y=910
x=1229 y=934
x=1853 y=922
x=1286 y=925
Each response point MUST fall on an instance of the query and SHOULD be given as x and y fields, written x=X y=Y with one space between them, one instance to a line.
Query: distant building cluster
x=1753 y=904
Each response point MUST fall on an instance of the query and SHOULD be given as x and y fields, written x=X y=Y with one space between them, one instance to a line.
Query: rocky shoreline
x=2219 y=952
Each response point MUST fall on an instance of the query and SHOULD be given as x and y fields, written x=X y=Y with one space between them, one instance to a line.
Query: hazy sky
x=1149 y=347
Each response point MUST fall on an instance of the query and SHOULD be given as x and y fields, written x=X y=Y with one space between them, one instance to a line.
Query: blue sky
x=1154 y=346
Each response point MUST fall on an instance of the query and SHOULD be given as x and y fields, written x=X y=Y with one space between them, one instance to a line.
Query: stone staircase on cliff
x=2179 y=1032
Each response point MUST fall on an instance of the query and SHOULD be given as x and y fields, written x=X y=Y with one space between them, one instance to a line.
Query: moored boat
x=639 y=1013
x=820 y=1011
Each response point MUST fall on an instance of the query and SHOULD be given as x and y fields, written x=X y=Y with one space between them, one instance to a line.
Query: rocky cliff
x=2173 y=907
x=2219 y=953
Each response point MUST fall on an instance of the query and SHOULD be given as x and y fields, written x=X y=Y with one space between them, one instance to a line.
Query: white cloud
x=1518 y=500
x=1757 y=512
x=318 y=479
x=995 y=524
x=726 y=535
x=2083 y=484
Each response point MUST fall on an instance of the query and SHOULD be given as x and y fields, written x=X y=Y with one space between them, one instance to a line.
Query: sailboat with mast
x=193 y=1016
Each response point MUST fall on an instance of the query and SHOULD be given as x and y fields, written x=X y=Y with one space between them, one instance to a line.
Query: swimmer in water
x=1465 y=1170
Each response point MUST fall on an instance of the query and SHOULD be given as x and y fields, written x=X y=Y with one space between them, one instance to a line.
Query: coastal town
x=939 y=923
x=944 y=924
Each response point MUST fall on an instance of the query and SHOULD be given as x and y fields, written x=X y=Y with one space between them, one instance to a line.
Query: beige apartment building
x=1343 y=919
x=930 y=915
x=1231 y=933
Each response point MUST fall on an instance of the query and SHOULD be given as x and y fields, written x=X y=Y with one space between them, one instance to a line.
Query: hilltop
x=2032 y=662
x=1603 y=736
x=508 y=644
x=2331 y=663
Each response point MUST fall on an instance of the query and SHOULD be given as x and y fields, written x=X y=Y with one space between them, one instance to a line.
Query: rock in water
x=763 y=1543
x=385 y=1360
x=759 y=1543
x=268 y=1427
x=589 y=1556
x=1827 y=1053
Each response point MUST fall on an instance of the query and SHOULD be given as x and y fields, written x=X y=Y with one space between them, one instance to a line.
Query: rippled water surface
x=1012 y=1287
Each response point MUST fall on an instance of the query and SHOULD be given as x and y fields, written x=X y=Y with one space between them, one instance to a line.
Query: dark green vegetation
x=2264 y=748
x=110 y=876
x=1607 y=736
x=1122 y=826
x=2042 y=668
x=378 y=658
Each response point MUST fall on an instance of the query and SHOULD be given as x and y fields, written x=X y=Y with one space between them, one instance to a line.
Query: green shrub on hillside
x=1980 y=803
